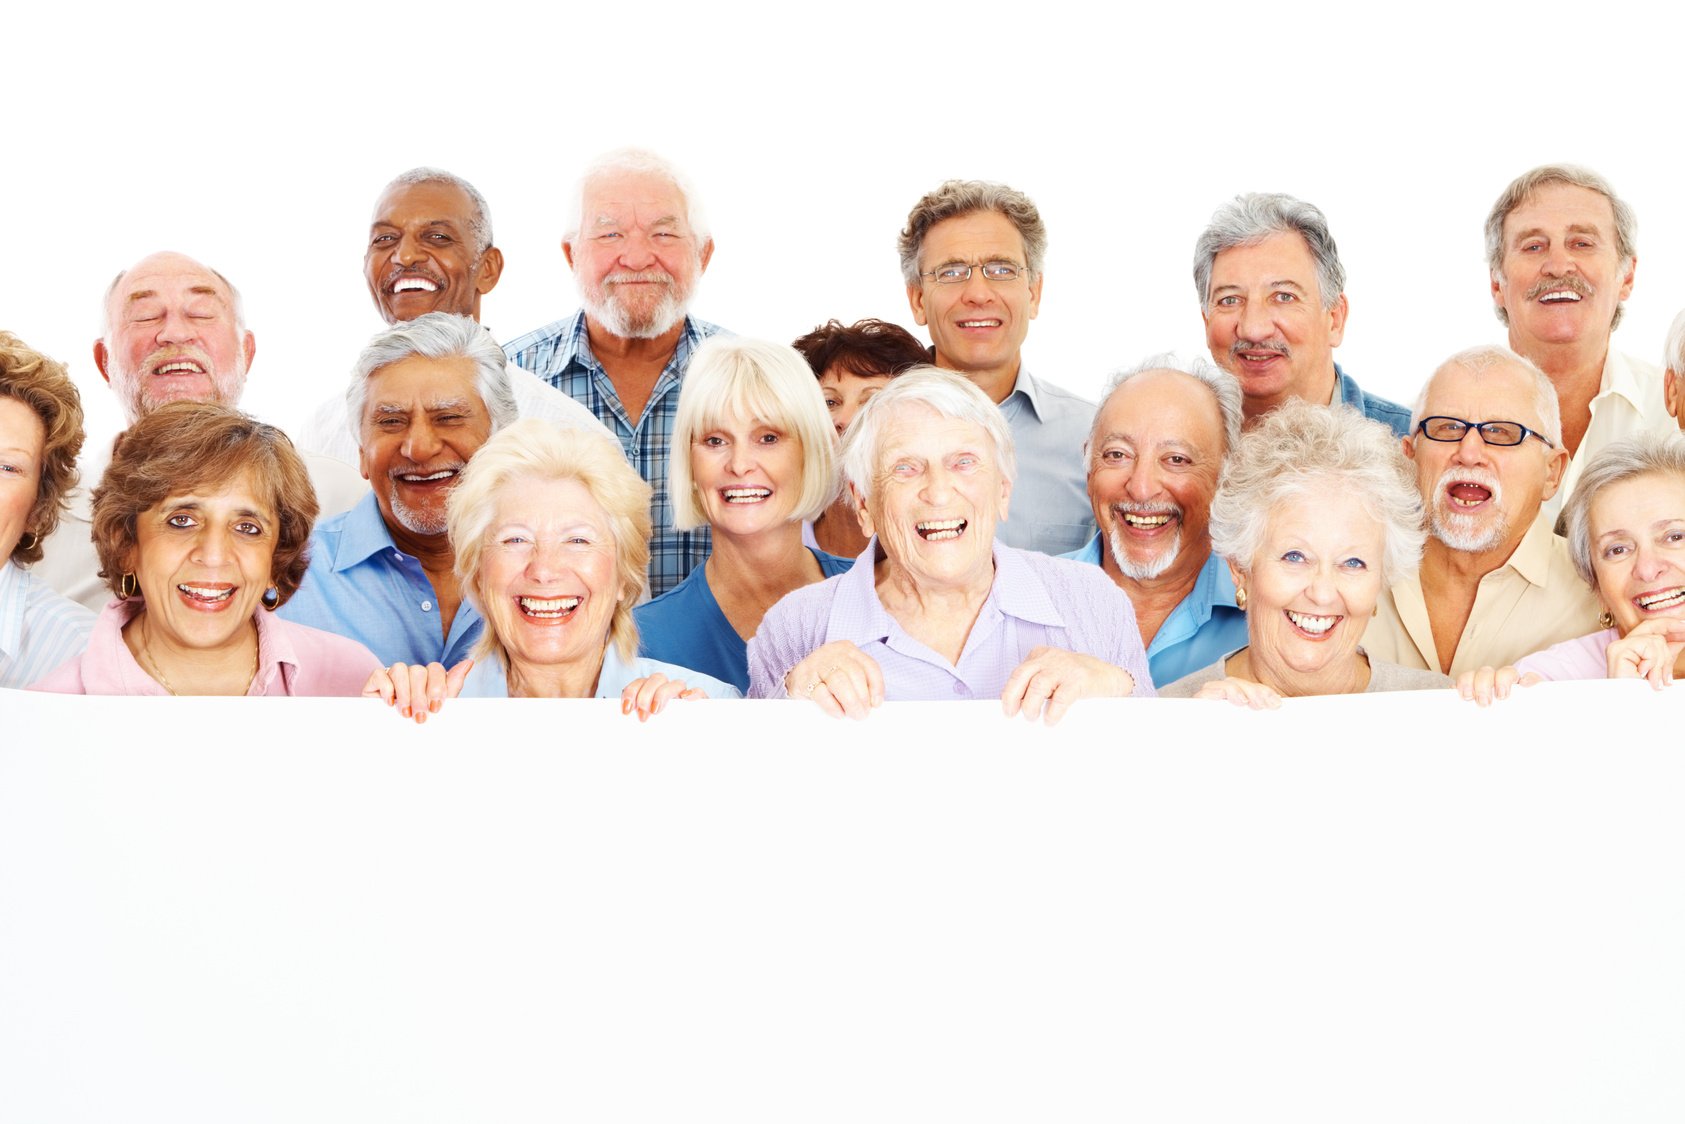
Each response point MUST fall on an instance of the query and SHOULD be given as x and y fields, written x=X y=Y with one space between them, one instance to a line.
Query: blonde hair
x=734 y=379
x=537 y=448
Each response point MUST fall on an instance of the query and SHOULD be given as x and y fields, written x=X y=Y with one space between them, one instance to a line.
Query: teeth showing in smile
x=979 y=323
x=1560 y=295
x=180 y=367
x=1158 y=519
x=1308 y=623
x=1464 y=494
x=416 y=478
x=414 y=284
x=1660 y=599
x=936 y=530
x=202 y=593
x=548 y=606
x=746 y=495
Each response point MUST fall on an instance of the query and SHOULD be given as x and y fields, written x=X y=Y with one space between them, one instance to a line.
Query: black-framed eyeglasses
x=1500 y=433
x=957 y=273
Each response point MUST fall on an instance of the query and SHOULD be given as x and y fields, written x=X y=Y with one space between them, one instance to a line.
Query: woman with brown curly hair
x=40 y=435
x=201 y=523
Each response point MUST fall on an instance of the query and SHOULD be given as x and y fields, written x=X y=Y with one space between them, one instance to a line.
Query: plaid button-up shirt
x=560 y=354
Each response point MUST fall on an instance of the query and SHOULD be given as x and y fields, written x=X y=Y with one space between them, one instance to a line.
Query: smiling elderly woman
x=1317 y=512
x=1626 y=534
x=936 y=608
x=551 y=532
x=201 y=523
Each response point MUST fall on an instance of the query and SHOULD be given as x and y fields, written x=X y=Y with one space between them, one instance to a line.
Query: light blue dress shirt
x=361 y=585
x=39 y=628
x=1050 y=511
x=1206 y=623
x=487 y=679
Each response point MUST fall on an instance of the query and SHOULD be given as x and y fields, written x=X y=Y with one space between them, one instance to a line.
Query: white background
x=257 y=138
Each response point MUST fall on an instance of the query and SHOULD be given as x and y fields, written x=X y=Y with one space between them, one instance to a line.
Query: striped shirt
x=39 y=629
x=560 y=354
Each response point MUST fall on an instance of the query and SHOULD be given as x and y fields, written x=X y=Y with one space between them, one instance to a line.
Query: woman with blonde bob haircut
x=1317 y=512
x=753 y=457
x=551 y=533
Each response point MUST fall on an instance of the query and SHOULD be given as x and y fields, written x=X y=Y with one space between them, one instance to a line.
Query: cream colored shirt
x=1530 y=602
x=1629 y=403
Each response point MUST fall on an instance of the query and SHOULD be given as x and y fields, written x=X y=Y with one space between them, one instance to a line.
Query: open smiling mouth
x=979 y=323
x=746 y=495
x=413 y=284
x=1147 y=520
x=179 y=367
x=1561 y=296
x=940 y=530
x=205 y=594
x=1311 y=625
x=548 y=608
x=422 y=479
x=1466 y=494
x=1660 y=600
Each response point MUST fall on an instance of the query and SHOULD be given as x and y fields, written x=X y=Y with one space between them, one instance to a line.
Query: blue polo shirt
x=361 y=585
x=1204 y=627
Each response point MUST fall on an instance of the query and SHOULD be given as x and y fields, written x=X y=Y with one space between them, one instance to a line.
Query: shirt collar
x=576 y=345
x=362 y=535
x=1532 y=556
x=1619 y=378
x=1015 y=592
x=276 y=655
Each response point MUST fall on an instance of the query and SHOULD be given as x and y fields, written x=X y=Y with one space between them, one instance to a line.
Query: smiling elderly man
x=1160 y=439
x=1495 y=583
x=637 y=244
x=1273 y=295
x=971 y=256
x=174 y=329
x=427 y=393
x=1560 y=245
x=430 y=250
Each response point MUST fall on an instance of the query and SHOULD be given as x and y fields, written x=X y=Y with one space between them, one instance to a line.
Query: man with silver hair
x=430 y=249
x=1561 y=249
x=972 y=256
x=173 y=329
x=1159 y=443
x=1495 y=582
x=638 y=243
x=426 y=393
x=1273 y=295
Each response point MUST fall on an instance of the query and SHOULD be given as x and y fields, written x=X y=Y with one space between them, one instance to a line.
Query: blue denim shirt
x=1374 y=407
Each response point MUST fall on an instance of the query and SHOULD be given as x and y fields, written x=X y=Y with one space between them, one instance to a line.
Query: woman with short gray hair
x=1626 y=535
x=1317 y=513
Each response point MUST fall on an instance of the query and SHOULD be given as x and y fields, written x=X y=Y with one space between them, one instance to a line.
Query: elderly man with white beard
x=174 y=329
x=637 y=244
x=426 y=394
x=1160 y=438
x=1495 y=582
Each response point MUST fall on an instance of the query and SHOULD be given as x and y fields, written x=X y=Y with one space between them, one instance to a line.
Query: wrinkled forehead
x=646 y=196
x=1500 y=392
x=1553 y=206
x=420 y=382
x=917 y=429
x=171 y=281
x=1169 y=404
x=433 y=201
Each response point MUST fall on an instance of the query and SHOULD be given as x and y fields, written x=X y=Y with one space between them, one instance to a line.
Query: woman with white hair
x=752 y=458
x=550 y=530
x=935 y=608
x=1317 y=512
x=1626 y=535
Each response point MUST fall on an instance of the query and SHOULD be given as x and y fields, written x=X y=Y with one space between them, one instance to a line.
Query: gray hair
x=1223 y=386
x=1253 y=217
x=1649 y=454
x=1524 y=185
x=638 y=161
x=1477 y=361
x=956 y=198
x=1674 y=360
x=437 y=335
x=1299 y=450
x=948 y=394
x=234 y=299
x=479 y=222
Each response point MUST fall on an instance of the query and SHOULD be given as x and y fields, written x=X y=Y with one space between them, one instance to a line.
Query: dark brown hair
x=183 y=446
x=868 y=348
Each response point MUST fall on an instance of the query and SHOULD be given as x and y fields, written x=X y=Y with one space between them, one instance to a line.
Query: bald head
x=173 y=330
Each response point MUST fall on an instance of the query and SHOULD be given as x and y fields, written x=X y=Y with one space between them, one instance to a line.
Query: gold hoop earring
x=127 y=587
x=1606 y=619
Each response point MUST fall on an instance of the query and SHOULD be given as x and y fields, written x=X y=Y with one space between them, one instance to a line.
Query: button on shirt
x=1050 y=511
x=1034 y=601
x=1204 y=625
x=361 y=585
x=560 y=354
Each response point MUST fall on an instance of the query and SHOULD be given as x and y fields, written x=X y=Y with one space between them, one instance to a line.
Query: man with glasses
x=1495 y=582
x=971 y=256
